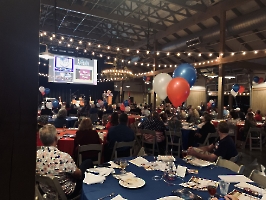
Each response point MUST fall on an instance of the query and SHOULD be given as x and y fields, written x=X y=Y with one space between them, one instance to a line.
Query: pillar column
x=221 y=67
x=19 y=50
x=154 y=68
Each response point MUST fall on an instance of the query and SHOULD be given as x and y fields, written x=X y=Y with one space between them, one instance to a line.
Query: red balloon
x=122 y=107
x=99 y=100
x=148 y=78
x=178 y=90
x=209 y=105
x=43 y=93
x=261 y=80
x=241 y=89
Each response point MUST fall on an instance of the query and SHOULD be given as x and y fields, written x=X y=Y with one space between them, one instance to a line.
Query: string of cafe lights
x=70 y=42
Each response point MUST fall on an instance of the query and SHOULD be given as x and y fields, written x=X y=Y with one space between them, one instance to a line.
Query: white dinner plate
x=132 y=182
x=171 y=198
x=199 y=162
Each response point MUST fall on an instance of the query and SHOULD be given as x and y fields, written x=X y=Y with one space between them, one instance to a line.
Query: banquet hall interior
x=167 y=80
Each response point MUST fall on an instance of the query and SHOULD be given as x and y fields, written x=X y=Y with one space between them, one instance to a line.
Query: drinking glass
x=64 y=127
x=223 y=187
x=184 y=153
x=123 y=164
x=211 y=190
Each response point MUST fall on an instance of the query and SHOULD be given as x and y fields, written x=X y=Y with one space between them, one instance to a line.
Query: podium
x=109 y=100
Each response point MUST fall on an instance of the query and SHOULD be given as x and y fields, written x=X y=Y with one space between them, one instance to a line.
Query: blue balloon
x=143 y=119
x=126 y=103
x=55 y=103
x=235 y=87
x=256 y=79
x=47 y=91
x=187 y=72
x=144 y=78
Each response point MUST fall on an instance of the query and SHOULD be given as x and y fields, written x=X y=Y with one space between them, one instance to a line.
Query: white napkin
x=252 y=187
x=158 y=165
x=234 y=178
x=92 y=178
x=102 y=171
x=114 y=165
x=139 y=161
x=118 y=197
x=166 y=158
x=124 y=176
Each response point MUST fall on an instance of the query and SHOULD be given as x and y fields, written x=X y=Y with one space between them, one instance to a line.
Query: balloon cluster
x=109 y=93
x=237 y=89
x=211 y=104
x=101 y=103
x=258 y=80
x=125 y=106
x=53 y=104
x=44 y=91
x=177 y=88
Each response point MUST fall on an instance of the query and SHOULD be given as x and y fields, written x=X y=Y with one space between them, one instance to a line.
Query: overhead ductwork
x=251 y=21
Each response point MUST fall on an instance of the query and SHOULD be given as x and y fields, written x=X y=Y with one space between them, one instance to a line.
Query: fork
x=110 y=195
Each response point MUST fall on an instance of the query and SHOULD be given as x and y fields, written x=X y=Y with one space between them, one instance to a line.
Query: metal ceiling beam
x=194 y=19
x=182 y=3
x=224 y=60
x=102 y=14
x=92 y=36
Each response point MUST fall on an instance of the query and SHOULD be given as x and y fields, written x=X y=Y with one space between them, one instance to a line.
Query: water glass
x=223 y=187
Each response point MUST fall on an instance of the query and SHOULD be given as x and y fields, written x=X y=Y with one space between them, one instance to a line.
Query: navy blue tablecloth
x=152 y=189
x=70 y=121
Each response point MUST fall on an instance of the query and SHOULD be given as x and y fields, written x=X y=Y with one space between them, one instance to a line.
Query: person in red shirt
x=113 y=121
x=258 y=116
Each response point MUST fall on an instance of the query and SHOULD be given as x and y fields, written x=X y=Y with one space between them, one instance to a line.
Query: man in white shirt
x=145 y=111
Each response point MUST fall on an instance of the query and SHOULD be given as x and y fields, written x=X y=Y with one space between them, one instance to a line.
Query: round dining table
x=152 y=189
x=132 y=118
x=70 y=121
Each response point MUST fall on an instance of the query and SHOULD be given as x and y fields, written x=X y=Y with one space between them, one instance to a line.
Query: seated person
x=224 y=146
x=154 y=123
x=113 y=121
x=93 y=112
x=72 y=110
x=85 y=135
x=174 y=124
x=250 y=122
x=52 y=162
x=60 y=121
x=109 y=110
x=145 y=112
x=258 y=116
x=164 y=117
x=193 y=116
x=119 y=133
x=207 y=127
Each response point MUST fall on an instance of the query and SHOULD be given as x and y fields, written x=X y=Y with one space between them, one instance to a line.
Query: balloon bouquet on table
x=177 y=87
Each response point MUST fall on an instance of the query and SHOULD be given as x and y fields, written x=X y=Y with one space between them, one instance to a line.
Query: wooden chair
x=233 y=131
x=258 y=178
x=134 y=127
x=254 y=134
x=207 y=139
x=90 y=147
x=54 y=184
x=170 y=137
x=154 y=143
x=230 y=165
x=120 y=145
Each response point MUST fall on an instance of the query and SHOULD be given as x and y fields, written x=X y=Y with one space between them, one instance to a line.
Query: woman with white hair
x=60 y=121
x=52 y=162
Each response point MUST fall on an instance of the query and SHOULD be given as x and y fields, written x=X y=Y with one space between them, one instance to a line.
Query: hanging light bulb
x=127 y=50
x=71 y=39
x=137 y=51
x=89 y=43
x=158 y=53
x=80 y=42
x=62 y=38
x=210 y=54
x=99 y=45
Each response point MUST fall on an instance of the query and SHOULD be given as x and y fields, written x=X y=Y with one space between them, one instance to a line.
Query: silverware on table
x=110 y=195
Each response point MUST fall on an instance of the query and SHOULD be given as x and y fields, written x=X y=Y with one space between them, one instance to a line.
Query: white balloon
x=127 y=109
x=98 y=105
x=160 y=84
x=101 y=103
x=41 y=89
x=49 y=105
x=114 y=106
x=234 y=93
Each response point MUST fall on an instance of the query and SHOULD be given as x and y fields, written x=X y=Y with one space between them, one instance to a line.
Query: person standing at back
x=119 y=133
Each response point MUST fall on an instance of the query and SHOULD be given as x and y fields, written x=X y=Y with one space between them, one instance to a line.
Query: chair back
x=90 y=147
x=258 y=178
x=153 y=143
x=53 y=183
x=123 y=144
x=209 y=136
x=173 y=139
x=230 y=165
x=235 y=159
x=141 y=152
x=254 y=134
